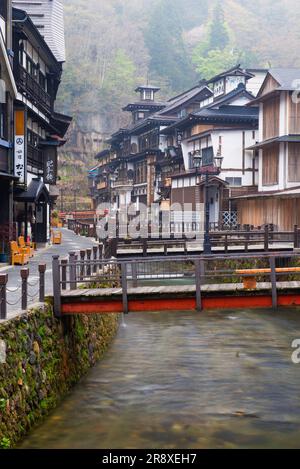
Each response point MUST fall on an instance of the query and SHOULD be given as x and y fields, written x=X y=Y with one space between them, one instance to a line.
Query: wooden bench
x=56 y=237
x=27 y=248
x=249 y=275
x=19 y=256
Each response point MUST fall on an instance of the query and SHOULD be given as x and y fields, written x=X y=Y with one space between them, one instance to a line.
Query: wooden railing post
x=88 y=268
x=124 y=287
x=56 y=287
x=3 y=305
x=273 y=281
x=134 y=274
x=100 y=251
x=198 y=285
x=144 y=247
x=64 y=264
x=42 y=270
x=82 y=266
x=266 y=238
x=95 y=255
x=24 y=277
x=296 y=237
x=72 y=265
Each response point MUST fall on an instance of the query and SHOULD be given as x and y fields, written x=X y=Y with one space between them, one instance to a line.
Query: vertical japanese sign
x=20 y=166
x=50 y=166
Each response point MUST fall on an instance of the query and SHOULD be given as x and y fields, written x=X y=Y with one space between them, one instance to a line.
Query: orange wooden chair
x=28 y=249
x=18 y=255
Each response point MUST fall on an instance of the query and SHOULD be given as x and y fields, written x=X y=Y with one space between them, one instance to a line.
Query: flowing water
x=186 y=380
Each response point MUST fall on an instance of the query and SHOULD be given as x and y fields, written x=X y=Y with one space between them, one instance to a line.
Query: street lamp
x=207 y=165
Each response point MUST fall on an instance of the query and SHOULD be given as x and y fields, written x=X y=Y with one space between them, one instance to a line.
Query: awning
x=34 y=192
x=275 y=140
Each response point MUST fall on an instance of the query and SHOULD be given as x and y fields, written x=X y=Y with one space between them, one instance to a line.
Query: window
x=148 y=94
x=237 y=182
x=42 y=80
x=270 y=166
x=294 y=162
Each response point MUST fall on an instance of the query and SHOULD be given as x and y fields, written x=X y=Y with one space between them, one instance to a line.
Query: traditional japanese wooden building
x=153 y=158
x=8 y=92
x=39 y=130
x=219 y=132
x=278 y=146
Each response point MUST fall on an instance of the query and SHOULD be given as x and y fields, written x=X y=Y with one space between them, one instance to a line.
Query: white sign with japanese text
x=20 y=158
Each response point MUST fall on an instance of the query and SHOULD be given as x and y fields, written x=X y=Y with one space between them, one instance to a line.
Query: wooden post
x=89 y=267
x=82 y=265
x=266 y=238
x=226 y=243
x=42 y=270
x=165 y=248
x=95 y=253
x=100 y=251
x=56 y=286
x=273 y=281
x=3 y=305
x=72 y=271
x=198 y=285
x=134 y=274
x=144 y=247
x=296 y=237
x=24 y=277
x=124 y=287
x=247 y=237
x=185 y=248
x=64 y=264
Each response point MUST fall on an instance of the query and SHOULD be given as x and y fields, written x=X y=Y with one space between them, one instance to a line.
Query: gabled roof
x=223 y=115
x=281 y=79
x=240 y=91
x=34 y=191
x=237 y=70
x=288 y=78
x=22 y=20
x=188 y=96
x=229 y=111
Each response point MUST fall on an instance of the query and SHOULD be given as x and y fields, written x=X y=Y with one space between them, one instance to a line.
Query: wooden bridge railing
x=257 y=239
x=92 y=270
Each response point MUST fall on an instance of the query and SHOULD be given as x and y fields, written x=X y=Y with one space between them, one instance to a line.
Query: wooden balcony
x=34 y=90
x=35 y=159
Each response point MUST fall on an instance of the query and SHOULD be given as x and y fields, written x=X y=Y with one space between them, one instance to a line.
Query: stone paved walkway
x=71 y=242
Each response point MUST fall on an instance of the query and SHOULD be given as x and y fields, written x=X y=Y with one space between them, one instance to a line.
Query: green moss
x=33 y=382
x=5 y=443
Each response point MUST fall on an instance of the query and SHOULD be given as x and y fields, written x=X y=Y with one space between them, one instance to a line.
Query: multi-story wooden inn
x=153 y=160
x=39 y=130
x=8 y=92
x=278 y=145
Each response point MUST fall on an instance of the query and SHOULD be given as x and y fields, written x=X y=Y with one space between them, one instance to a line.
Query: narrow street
x=71 y=242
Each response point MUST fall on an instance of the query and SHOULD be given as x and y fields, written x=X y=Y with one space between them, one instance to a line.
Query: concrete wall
x=41 y=358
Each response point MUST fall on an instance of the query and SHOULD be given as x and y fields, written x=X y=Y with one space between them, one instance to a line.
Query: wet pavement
x=71 y=242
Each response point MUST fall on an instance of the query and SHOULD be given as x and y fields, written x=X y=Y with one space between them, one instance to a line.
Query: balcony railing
x=35 y=159
x=34 y=89
x=122 y=182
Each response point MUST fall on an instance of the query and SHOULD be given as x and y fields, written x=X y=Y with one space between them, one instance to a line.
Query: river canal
x=186 y=380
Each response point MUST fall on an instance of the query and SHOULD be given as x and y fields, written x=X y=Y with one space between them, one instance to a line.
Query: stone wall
x=42 y=358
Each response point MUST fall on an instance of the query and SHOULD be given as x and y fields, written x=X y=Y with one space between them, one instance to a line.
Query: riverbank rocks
x=44 y=358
